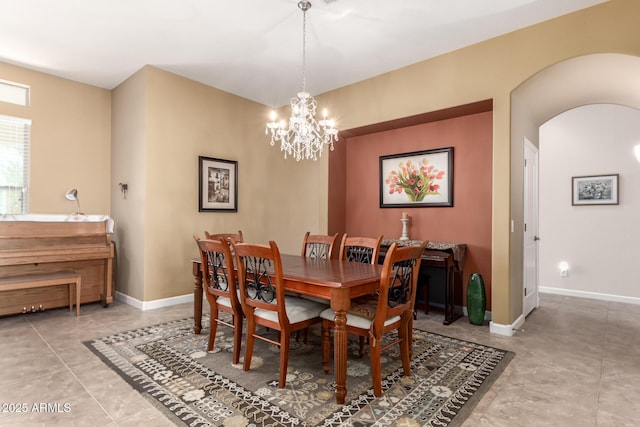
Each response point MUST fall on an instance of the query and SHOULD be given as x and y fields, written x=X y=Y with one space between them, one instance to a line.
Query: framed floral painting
x=417 y=179
x=217 y=185
x=594 y=190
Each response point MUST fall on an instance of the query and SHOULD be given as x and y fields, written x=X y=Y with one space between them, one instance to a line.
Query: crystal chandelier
x=305 y=137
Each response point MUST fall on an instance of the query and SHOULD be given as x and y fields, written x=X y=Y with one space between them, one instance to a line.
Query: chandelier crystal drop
x=304 y=138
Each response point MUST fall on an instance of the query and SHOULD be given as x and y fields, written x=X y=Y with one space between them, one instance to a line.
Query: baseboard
x=506 y=330
x=591 y=295
x=151 y=305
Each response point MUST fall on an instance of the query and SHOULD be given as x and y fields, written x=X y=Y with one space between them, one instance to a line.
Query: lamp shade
x=72 y=194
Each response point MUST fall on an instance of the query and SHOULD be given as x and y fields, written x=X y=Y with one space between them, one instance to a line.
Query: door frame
x=531 y=226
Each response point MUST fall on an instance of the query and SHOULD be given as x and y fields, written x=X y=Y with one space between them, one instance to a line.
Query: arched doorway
x=591 y=79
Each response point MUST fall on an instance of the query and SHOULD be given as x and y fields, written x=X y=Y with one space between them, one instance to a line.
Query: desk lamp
x=73 y=195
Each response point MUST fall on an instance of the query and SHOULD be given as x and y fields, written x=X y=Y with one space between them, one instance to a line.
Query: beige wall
x=70 y=141
x=128 y=166
x=162 y=124
x=280 y=199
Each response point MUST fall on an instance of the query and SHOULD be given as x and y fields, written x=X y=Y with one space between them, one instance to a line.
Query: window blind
x=14 y=165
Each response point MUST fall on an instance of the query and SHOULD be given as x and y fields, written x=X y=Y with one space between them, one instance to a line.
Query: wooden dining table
x=334 y=280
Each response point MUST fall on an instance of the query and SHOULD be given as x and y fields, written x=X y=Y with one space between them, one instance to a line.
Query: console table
x=449 y=256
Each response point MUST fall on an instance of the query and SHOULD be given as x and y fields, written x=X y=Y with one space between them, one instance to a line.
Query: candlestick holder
x=405 y=235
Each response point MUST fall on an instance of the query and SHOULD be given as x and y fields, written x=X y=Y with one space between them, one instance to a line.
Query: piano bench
x=39 y=280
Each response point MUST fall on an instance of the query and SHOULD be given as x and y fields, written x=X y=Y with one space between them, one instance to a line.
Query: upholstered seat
x=227 y=301
x=357 y=321
x=298 y=310
x=360 y=316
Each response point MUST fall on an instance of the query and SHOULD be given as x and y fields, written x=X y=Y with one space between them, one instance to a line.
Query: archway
x=606 y=78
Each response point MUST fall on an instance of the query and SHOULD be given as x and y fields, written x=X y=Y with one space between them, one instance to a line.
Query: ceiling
x=252 y=48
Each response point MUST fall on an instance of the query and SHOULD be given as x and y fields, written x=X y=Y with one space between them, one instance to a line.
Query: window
x=14 y=165
x=14 y=93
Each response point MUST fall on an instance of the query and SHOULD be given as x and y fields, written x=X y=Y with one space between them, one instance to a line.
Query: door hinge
x=525 y=292
x=525 y=227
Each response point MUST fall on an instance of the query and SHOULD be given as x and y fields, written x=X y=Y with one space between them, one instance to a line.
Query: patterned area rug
x=170 y=366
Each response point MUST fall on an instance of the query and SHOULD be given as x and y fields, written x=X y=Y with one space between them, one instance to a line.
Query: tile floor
x=577 y=364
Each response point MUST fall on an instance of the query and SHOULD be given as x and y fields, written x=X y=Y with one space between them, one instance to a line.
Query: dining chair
x=360 y=249
x=264 y=302
x=220 y=285
x=390 y=310
x=228 y=237
x=318 y=245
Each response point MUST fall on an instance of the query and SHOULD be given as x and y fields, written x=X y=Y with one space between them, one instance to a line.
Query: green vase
x=476 y=299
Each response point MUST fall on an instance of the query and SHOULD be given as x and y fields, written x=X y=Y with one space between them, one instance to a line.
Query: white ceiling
x=252 y=48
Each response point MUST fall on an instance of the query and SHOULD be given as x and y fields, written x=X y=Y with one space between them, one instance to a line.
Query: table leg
x=340 y=303
x=197 y=297
x=340 y=352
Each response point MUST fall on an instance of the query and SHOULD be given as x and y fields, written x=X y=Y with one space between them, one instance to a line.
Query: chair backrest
x=318 y=245
x=260 y=278
x=398 y=284
x=228 y=237
x=360 y=249
x=218 y=272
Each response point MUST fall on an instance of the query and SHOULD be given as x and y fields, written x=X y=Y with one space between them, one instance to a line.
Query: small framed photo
x=417 y=179
x=595 y=190
x=217 y=185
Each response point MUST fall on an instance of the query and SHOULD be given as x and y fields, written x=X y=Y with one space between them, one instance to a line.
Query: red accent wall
x=468 y=221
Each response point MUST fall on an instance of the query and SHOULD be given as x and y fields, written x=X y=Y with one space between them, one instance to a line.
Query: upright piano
x=47 y=243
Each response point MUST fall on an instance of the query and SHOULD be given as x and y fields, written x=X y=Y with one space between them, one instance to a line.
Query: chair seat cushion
x=227 y=301
x=224 y=301
x=364 y=306
x=355 y=320
x=324 y=301
x=298 y=310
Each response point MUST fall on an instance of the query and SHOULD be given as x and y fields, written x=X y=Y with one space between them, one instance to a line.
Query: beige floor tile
x=516 y=406
x=577 y=363
x=148 y=417
x=609 y=419
x=620 y=397
x=21 y=365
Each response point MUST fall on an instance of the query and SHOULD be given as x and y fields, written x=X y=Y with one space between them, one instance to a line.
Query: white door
x=530 y=268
